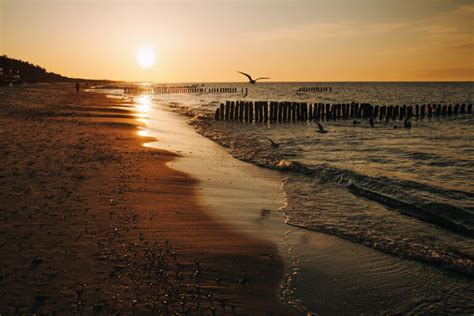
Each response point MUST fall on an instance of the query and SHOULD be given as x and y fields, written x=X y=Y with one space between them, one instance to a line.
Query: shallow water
x=403 y=192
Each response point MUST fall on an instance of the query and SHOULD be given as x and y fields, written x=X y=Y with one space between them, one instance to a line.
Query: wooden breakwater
x=181 y=89
x=264 y=111
x=314 y=89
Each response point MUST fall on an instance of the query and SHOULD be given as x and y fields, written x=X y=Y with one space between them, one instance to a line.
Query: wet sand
x=92 y=221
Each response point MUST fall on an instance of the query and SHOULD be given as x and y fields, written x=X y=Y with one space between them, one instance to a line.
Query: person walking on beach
x=77 y=87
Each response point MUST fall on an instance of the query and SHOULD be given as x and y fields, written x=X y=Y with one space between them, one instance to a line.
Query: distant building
x=10 y=78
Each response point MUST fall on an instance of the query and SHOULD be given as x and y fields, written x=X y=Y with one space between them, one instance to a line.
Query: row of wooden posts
x=182 y=89
x=264 y=111
x=314 y=89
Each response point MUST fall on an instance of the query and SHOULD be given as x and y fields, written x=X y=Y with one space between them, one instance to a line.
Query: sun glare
x=145 y=57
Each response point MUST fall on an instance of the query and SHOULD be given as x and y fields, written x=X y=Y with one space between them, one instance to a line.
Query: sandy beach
x=94 y=222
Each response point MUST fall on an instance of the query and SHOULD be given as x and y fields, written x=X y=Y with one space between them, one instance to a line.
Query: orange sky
x=309 y=40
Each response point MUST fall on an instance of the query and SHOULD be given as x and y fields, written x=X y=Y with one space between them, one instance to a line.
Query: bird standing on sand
x=252 y=81
x=321 y=128
x=274 y=145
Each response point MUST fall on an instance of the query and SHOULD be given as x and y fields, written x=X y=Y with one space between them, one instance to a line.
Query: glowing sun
x=145 y=57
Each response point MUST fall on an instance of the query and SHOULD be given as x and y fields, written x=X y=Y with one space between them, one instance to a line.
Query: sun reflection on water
x=143 y=105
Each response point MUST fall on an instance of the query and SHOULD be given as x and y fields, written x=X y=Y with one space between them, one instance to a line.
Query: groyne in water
x=182 y=89
x=265 y=111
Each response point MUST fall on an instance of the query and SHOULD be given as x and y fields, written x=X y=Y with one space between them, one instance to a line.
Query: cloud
x=320 y=30
x=466 y=74
x=450 y=29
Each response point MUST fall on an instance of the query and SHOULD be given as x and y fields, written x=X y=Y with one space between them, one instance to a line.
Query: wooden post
x=272 y=111
x=376 y=111
x=260 y=111
x=443 y=111
x=409 y=112
x=430 y=110
x=246 y=111
x=232 y=109
x=265 y=111
x=217 y=115
x=251 y=111
x=294 y=112
x=469 y=108
x=222 y=111
x=257 y=105
x=417 y=110
x=396 y=114
x=310 y=112
x=297 y=111
x=450 y=109
x=284 y=112
x=389 y=113
x=280 y=111
x=422 y=109
x=241 y=111
x=227 y=107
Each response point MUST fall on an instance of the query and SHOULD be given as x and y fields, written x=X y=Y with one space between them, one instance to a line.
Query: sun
x=145 y=57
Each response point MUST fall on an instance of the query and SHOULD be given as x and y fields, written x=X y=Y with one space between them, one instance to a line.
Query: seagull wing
x=321 y=128
x=270 y=140
x=262 y=78
x=247 y=75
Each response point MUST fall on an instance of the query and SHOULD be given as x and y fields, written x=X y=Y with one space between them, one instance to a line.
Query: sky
x=206 y=41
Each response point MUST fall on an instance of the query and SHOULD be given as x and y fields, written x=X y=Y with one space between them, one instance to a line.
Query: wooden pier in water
x=264 y=111
x=314 y=89
x=181 y=89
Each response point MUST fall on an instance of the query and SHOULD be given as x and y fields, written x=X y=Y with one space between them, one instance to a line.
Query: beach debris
x=265 y=212
x=36 y=262
x=39 y=302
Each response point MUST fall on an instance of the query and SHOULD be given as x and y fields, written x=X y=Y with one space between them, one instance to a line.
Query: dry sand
x=92 y=221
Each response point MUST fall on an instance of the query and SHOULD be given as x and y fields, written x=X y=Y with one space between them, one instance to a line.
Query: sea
x=406 y=192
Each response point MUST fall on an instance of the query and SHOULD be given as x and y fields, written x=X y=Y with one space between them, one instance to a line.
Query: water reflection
x=143 y=105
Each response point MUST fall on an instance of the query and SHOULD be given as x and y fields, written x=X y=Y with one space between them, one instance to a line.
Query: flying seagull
x=274 y=145
x=321 y=128
x=252 y=81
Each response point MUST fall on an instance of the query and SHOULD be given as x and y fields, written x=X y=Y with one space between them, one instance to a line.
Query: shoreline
x=317 y=278
x=94 y=222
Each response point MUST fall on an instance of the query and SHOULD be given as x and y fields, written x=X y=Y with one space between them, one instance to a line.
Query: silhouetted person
x=77 y=87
